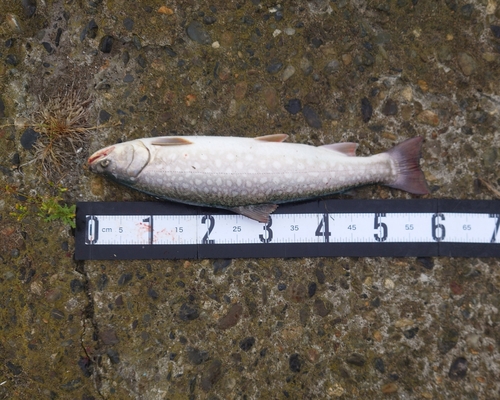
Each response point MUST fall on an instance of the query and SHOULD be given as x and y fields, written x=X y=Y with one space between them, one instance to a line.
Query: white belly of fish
x=230 y=172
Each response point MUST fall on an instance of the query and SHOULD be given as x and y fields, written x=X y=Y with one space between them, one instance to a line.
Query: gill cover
x=136 y=158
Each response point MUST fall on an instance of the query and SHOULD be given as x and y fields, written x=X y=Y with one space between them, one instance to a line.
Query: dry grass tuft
x=490 y=187
x=63 y=125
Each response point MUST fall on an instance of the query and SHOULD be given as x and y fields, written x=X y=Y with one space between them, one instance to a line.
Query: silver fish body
x=252 y=175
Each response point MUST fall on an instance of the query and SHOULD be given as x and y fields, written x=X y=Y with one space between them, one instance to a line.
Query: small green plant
x=21 y=212
x=50 y=208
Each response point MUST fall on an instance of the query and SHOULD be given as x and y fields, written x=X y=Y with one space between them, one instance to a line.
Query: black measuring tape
x=322 y=228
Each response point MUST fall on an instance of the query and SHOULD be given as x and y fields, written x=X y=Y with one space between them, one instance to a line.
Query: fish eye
x=105 y=163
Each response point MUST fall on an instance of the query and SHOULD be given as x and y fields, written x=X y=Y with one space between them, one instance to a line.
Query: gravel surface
x=371 y=72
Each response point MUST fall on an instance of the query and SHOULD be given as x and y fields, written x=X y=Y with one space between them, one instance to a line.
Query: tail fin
x=410 y=177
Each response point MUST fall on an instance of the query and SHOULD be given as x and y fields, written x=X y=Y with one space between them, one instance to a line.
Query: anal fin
x=257 y=212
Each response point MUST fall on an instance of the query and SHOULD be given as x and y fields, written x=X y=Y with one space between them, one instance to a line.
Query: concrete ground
x=77 y=76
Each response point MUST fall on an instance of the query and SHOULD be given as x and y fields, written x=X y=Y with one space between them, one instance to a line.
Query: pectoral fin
x=279 y=137
x=347 y=148
x=170 y=141
x=258 y=212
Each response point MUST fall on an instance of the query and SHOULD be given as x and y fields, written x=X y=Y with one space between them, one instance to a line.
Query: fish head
x=122 y=162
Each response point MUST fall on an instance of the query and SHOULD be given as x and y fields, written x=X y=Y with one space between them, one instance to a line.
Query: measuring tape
x=360 y=228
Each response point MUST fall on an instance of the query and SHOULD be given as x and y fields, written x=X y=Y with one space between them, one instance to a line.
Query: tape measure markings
x=332 y=227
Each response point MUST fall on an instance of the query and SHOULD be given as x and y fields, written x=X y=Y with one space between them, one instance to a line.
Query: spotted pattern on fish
x=230 y=172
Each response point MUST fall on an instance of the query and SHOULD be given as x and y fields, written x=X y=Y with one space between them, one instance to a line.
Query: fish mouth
x=100 y=154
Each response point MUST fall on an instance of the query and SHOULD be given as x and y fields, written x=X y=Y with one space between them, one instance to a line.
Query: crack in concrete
x=88 y=316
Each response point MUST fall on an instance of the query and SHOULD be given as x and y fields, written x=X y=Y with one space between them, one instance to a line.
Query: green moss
x=49 y=208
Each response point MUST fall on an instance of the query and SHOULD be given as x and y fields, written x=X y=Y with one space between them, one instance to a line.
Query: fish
x=252 y=176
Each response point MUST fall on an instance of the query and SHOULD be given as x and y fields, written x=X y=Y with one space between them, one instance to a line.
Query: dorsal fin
x=278 y=137
x=170 y=141
x=347 y=148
